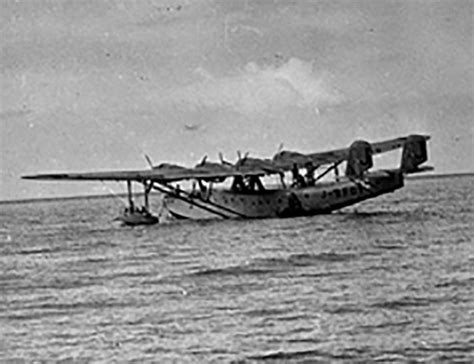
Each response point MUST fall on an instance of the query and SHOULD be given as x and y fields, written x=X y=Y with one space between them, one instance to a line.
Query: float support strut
x=129 y=190
x=334 y=166
x=146 y=191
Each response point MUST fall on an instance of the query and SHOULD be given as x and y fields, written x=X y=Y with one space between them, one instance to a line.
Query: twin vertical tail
x=414 y=154
x=359 y=159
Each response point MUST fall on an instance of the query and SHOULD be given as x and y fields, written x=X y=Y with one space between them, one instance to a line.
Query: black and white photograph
x=236 y=181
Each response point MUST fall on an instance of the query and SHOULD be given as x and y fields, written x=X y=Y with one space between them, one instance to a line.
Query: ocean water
x=388 y=280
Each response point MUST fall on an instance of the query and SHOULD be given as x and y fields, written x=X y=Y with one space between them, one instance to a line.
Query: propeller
x=241 y=160
x=223 y=161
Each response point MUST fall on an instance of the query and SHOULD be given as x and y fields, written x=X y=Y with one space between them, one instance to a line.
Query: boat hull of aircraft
x=291 y=202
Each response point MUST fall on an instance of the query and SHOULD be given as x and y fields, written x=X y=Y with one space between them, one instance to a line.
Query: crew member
x=310 y=173
x=298 y=180
x=238 y=184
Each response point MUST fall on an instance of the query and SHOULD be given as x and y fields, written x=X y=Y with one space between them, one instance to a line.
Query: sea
x=388 y=280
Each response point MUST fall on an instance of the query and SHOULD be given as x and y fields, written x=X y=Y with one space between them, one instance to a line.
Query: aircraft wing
x=165 y=172
x=286 y=159
x=138 y=175
x=257 y=166
x=161 y=174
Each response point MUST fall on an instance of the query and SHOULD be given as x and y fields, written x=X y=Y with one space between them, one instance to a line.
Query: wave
x=457 y=282
x=409 y=302
x=269 y=265
x=387 y=324
x=344 y=309
x=39 y=251
x=233 y=270
x=305 y=355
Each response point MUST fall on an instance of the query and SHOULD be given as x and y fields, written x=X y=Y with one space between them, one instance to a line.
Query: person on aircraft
x=194 y=192
x=282 y=179
x=310 y=173
x=255 y=184
x=260 y=185
x=298 y=180
x=238 y=184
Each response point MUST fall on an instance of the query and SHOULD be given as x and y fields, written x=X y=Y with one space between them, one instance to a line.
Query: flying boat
x=227 y=190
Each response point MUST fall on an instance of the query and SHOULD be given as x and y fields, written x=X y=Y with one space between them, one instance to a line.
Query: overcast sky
x=92 y=85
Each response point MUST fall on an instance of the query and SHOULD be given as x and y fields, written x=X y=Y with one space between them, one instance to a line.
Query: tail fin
x=414 y=154
x=359 y=159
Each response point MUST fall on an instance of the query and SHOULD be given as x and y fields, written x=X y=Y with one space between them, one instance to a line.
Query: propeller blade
x=280 y=148
x=223 y=161
x=242 y=160
x=148 y=160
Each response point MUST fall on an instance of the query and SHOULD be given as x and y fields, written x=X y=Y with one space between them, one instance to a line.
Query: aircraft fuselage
x=288 y=202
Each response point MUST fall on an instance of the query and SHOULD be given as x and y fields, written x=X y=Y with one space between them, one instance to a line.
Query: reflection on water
x=387 y=280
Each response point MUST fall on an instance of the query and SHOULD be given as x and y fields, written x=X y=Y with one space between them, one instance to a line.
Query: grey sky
x=91 y=85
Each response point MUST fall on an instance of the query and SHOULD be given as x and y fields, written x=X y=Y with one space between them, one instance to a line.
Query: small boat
x=137 y=217
x=133 y=216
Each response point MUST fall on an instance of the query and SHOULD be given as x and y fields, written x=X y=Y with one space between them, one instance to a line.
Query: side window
x=337 y=193
x=344 y=191
x=324 y=194
x=353 y=191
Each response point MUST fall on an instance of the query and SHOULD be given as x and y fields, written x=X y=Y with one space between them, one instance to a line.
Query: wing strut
x=130 y=198
x=146 y=190
x=333 y=167
x=187 y=198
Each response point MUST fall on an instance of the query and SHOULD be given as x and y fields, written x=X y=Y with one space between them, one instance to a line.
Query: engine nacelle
x=359 y=159
x=414 y=153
